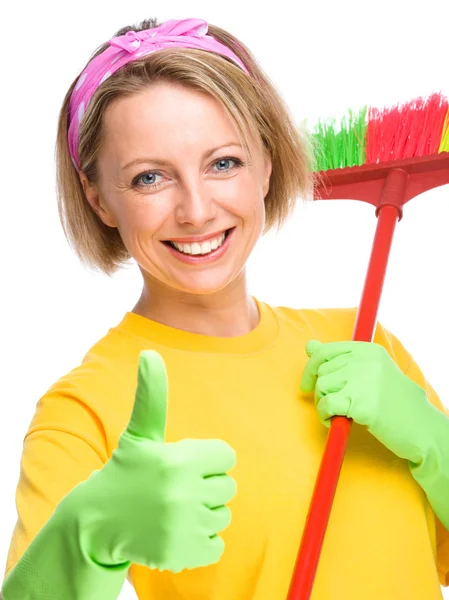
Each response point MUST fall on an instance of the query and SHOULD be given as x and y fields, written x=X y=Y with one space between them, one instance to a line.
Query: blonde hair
x=253 y=103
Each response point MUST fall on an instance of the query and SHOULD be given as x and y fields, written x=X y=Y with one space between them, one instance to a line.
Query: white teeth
x=197 y=248
x=203 y=248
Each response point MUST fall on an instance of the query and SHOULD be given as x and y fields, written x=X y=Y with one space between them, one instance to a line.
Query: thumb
x=312 y=346
x=149 y=414
x=309 y=375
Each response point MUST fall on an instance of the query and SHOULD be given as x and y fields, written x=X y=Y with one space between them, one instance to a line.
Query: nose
x=196 y=206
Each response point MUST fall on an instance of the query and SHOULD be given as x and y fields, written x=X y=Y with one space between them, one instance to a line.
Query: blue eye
x=223 y=160
x=142 y=179
x=147 y=175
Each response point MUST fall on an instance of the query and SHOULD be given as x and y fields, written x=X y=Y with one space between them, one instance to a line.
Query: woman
x=175 y=149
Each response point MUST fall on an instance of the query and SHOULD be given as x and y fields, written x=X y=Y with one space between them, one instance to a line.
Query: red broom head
x=354 y=161
x=412 y=129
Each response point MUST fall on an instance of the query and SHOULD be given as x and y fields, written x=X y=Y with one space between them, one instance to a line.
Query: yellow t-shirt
x=383 y=539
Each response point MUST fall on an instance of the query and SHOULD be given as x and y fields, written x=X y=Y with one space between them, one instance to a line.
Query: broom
x=384 y=157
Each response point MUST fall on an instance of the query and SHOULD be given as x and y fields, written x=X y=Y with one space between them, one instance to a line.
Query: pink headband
x=187 y=33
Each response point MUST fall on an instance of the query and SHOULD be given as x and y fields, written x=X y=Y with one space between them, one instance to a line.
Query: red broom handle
x=388 y=212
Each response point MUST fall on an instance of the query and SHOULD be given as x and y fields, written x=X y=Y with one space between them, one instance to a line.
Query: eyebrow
x=159 y=161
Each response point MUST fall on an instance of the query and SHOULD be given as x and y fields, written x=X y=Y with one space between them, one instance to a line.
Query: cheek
x=247 y=202
x=140 y=218
x=254 y=212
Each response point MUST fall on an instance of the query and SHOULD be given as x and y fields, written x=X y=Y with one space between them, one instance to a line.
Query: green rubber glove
x=360 y=380
x=153 y=503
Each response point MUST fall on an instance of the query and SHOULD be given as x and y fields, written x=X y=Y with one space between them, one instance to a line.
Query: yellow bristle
x=444 y=145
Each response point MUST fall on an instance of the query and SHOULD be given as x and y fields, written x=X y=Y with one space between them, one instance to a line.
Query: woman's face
x=160 y=184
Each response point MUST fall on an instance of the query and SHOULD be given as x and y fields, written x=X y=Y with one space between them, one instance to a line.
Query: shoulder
x=104 y=362
x=97 y=394
x=330 y=324
x=337 y=324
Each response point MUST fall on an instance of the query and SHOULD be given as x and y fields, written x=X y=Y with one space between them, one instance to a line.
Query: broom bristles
x=413 y=129
x=341 y=145
x=444 y=146
x=417 y=128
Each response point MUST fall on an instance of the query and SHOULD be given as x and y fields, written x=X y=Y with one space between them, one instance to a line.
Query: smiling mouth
x=199 y=248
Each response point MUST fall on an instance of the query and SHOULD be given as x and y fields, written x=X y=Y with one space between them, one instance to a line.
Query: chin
x=203 y=288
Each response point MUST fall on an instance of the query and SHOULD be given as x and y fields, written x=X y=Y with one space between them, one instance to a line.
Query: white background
x=324 y=57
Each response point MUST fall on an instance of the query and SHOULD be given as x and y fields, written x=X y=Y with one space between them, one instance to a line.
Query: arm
x=432 y=473
x=398 y=406
x=64 y=444
x=52 y=464
x=404 y=433
x=58 y=562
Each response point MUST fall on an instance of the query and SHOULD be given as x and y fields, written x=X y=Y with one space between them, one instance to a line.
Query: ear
x=267 y=170
x=94 y=198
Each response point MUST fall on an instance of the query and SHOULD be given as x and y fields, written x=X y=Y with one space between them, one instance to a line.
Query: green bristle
x=343 y=146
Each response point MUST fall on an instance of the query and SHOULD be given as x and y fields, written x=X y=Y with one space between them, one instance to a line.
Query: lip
x=197 y=259
x=197 y=238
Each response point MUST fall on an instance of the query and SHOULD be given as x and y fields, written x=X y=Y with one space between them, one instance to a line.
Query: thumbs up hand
x=154 y=503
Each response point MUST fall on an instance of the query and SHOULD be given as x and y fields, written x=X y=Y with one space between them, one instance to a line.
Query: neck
x=230 y=312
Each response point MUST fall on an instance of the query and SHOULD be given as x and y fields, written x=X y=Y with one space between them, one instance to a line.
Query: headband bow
x=167 y=32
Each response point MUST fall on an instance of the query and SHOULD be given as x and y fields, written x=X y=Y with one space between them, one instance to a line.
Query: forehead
x=166 y=114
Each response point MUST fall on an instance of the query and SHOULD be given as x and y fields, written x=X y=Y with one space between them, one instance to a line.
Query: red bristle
x=412 y=129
